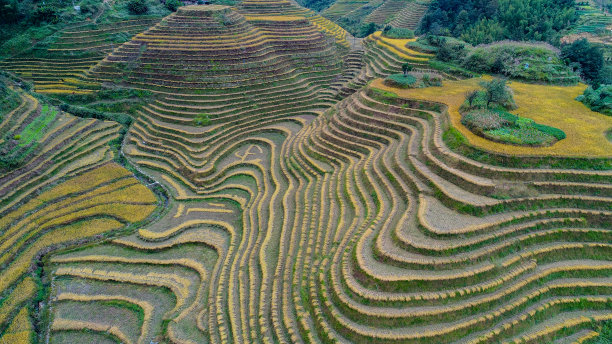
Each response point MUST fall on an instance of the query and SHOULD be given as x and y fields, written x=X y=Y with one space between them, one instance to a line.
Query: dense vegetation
x=535 y=62
x=587 y=58
x=31 y=23
x=478 y=21
x=317 y=5
x=599 y=99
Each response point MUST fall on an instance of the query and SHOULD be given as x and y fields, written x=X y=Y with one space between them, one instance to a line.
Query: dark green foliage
x=89 y=113
x=451 y=68
x=9 y=99
x=599 y=100
x=173 y=5
x=478 y=21
x=448 y=52
x=353 y=23
x=9 y=11
x=45 y=14
x=396 y=32
x=587 y=56
x=137 y=7
x=317 y=5
x=557 y=133
x=89 y=7
x=470 y=97
x=406 y=67
x=368 y=29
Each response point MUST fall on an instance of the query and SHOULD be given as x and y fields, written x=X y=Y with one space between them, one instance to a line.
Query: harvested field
x=298 y=199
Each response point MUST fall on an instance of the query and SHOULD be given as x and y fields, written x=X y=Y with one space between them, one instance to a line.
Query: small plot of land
x=550 y=105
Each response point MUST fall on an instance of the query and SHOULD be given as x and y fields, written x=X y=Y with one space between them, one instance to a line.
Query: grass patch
x=401 y=81
x=502 y=126
x=33 y=132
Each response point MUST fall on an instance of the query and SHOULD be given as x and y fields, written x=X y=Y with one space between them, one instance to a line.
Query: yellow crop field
x=554 y=106
x=20 y=330
x=398 y=47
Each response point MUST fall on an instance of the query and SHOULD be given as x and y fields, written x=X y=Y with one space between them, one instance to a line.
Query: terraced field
x=259 y=64
x=65 y=191
x=397 y=13
x=59 y=66
x=359 y=225
x=410 y=16
x=307 y=203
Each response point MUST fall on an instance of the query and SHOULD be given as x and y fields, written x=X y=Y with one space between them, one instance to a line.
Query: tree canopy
x=486 y=21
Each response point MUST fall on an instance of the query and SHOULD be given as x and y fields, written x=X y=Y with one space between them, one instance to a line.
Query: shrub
x=202 y=119
x=505 y=127
x=89 y=7
x=599 y=100
x=431 y=80
x=173 y=5
x=401 y=81
x=45 y=14
x=498 y=93
x=450 y=52
x=557 y=133
x=521 y=136
x=137 y=7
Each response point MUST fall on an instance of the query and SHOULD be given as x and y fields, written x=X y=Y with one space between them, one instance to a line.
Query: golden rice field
x=311 y=208
x=551 y=105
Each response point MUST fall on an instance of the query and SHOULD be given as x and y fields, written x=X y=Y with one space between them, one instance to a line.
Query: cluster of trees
x=138 y=7
x=587 y=58
x=317 y=5
x=486 y=21
x=599 y=99
x=495 y=93
x=30 y=11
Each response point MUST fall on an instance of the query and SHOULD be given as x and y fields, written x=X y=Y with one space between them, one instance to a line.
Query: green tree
x=588 y=56
x=471 y=96
x=406 y=67
x=137 y=7
x=485 y=31
x=368 y=29
x=173 y=5
x=9 y=11
x=498 y=93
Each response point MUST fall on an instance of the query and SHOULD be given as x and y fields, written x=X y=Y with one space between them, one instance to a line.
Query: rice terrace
x=305 y=171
